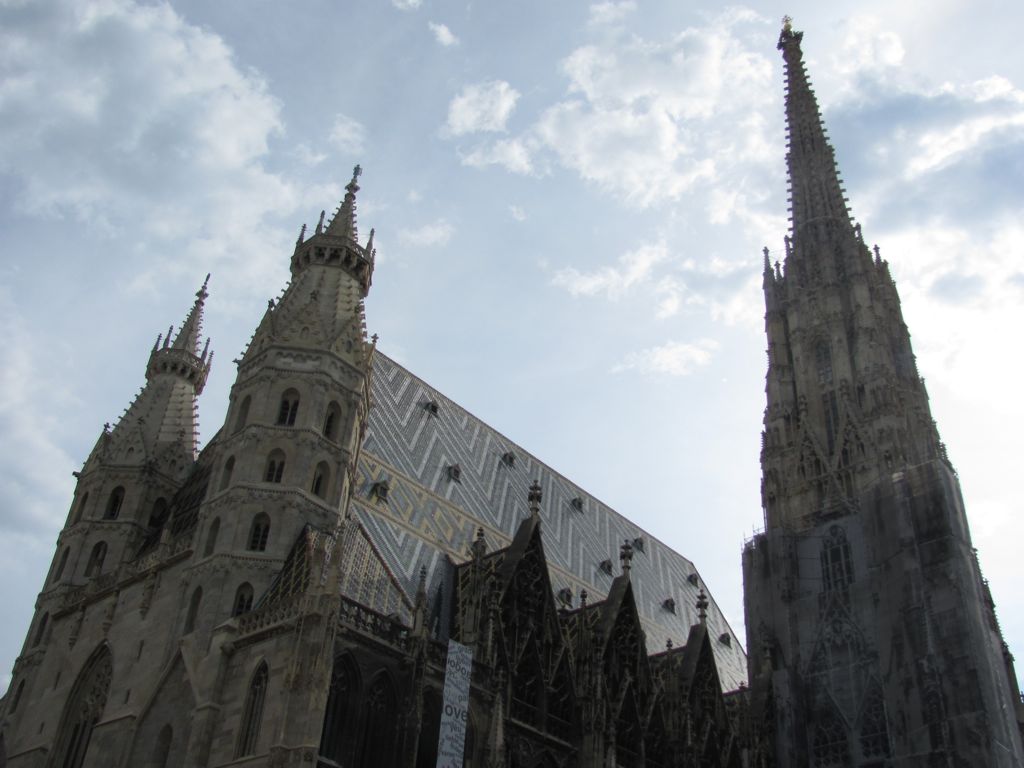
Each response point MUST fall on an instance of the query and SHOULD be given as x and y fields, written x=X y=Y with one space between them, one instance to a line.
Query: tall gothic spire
x=816 y=192
x=188 y=334
x=344 y=222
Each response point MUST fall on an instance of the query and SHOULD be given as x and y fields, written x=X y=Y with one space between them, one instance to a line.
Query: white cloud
x=611 y=12
x=868 y=45
x=348 y=135
x=517 y=213
x=407 y=5
x=437 y=233
x=674 y=358
x=137 y=94
x=443 y=35
x=482 y=107
x=308 y=156
x=633 y=268
x=511 y=154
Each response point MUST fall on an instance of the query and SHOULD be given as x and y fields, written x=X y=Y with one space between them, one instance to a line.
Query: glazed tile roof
x=416 y=435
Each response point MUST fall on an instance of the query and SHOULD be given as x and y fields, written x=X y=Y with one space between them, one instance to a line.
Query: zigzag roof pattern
x=416 y=436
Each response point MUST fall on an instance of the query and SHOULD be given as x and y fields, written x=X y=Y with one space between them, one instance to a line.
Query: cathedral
x=356 y=572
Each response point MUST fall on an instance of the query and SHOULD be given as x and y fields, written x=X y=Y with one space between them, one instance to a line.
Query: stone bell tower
x=865 y=604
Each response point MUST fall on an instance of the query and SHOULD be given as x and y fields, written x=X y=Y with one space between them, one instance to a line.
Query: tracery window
x=836 y=562
x=823 y=362
x=378 y=738
x=874 y=734
x=259 y=533
x=114 y=503
x=288 y=409
x=95 y=565
x=275 y=467
x=343 y=706
x=829 y=748
x=243 y=600
x=84 y=709
x=252 y=714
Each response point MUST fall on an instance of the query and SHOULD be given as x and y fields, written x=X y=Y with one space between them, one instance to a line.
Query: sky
x=570 y=201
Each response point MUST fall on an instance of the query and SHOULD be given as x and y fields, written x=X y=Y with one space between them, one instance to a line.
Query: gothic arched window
x=229 y=469
x=337 y=739
x=379 y=717
x=61 y=564
x=95 y=565
x=823 y=362
x=81 y=508
x=211 y=537
x=193 y=610
x=114 y=503
x=275 y=467
x=84 y=709
x=829 y=748
x=259 y=533
x=243 y=413
x=320 y=478
x=41 y=630
x=243 y=600
x=332 y=421
x=252 y=714
x=288 y=409
x=836 y=562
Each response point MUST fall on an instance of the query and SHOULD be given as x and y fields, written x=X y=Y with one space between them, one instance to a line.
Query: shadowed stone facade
x=870 y=628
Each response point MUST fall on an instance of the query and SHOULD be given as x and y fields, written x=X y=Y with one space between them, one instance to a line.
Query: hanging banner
x=451 y=740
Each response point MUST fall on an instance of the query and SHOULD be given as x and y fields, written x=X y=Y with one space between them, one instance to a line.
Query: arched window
x=193 y=610
x=95 y=565
x=84 y=709
x=229 y=469
x=61 y=564
x=321 y=476
x=41 y=630
x=17 y=698
x=378 y=742
x=289 y=408
x=823 y=362
x=252 y=714
x=114 y=504
x=162 y=748
x=243 y=413
x=259 y=533
x=159 y=513
x=211 y=537
x=337 y=739
x=243 y=600
x=332 y=421
x=275 y=467
x=81 y=509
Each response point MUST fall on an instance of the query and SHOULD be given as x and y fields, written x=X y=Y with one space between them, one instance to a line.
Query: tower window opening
x=159 y=513
x=380 y=490
x=229 y=470
x=289 y=409
x=211 y=537
x=275 y=467
x=243 y=413
x=95 y=565
x=61 y=564
x=243 y=600
x=259 y=533
x=114 y=503
x=81 y=508
x=320 y=478
x=40 y=637
x=332 y=421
